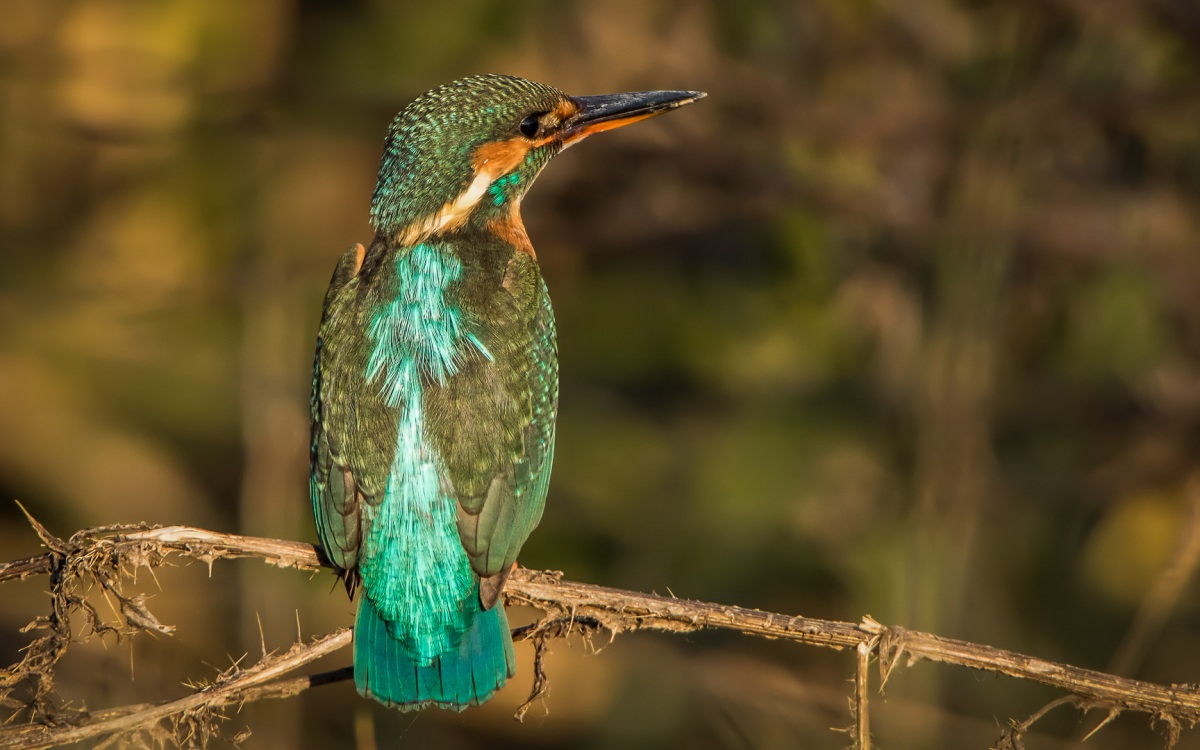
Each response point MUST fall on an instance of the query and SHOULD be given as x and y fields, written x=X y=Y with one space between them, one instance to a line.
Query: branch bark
x=569 y=606
x=237 y=686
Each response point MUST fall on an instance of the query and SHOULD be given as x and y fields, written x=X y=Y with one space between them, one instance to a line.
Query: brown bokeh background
x=904 y=319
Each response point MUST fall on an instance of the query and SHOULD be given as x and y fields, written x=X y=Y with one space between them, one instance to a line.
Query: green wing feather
x=516 y=498
x=353 y=431
x=494 y=422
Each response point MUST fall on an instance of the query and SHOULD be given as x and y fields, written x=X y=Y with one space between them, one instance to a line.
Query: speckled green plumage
x=435 y=385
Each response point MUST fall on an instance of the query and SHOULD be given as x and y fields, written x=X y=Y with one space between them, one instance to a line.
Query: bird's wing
x=495 y=427
x=352 y=437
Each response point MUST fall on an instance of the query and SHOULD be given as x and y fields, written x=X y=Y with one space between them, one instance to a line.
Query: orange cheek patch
x=499 y=158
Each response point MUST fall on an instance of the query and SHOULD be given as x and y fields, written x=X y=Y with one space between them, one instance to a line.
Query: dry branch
x=568 y=606
x=862 y=721
x=235 y=686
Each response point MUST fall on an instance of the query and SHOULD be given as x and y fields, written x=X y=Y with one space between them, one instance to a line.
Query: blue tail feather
x=384 y=669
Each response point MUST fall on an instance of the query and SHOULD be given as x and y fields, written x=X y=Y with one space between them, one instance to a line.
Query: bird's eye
x=529 y=126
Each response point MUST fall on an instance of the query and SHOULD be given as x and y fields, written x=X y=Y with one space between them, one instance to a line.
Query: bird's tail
x=386 y=670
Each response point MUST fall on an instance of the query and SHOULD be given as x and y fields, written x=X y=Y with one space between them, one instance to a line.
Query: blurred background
x=904 y=319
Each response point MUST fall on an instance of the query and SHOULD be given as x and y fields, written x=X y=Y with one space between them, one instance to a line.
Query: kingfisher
x=435 y=384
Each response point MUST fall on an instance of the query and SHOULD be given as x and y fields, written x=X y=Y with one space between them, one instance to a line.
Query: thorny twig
x=194 y=717
x=102 y=555
x=539 y=634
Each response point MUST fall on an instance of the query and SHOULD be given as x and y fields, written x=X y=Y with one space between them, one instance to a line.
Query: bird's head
x=469 y=149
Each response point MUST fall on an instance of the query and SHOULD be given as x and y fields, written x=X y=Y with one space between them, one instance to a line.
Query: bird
x=435 y=384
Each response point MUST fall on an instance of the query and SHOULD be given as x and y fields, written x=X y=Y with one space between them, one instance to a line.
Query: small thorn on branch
x=53 y=543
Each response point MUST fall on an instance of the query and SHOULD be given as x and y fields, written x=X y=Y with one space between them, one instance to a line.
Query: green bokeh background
x=904 y=319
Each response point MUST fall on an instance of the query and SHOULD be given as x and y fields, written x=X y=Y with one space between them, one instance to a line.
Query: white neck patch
x=453 y=214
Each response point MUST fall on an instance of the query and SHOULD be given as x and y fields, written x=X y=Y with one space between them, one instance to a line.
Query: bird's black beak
x=608 y=111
